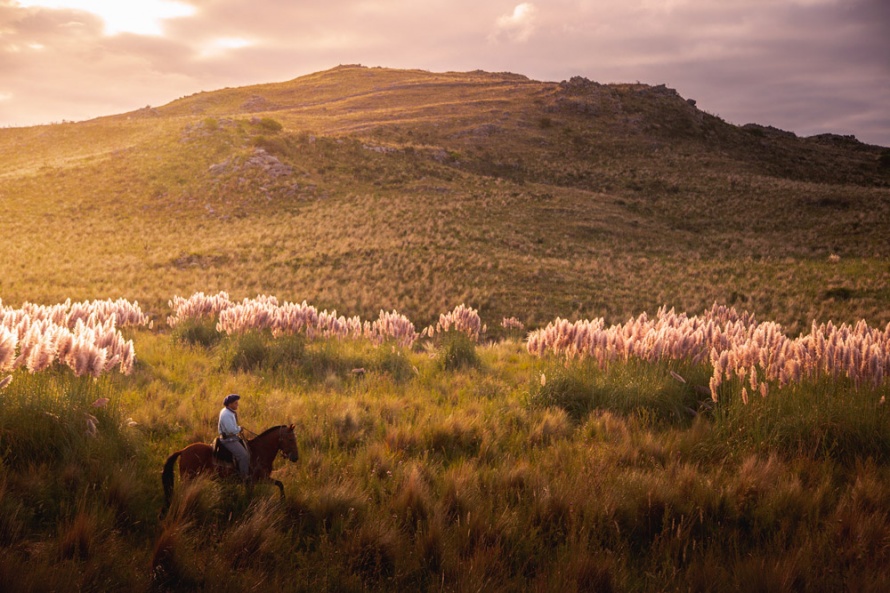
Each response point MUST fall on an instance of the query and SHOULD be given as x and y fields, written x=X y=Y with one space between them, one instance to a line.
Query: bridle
x=281 y=430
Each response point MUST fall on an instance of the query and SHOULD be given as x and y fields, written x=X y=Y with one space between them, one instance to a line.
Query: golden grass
x=416 y=192
x=419 y=191
x=441 y=480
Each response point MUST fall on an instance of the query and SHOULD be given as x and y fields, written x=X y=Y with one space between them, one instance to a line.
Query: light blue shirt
x=228 y=423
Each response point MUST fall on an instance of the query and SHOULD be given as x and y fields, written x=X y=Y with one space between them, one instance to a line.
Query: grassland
x=417 y=191
x=422 y=475
x=446 y=467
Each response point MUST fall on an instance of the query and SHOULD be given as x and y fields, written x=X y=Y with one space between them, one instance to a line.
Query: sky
x=806 y=66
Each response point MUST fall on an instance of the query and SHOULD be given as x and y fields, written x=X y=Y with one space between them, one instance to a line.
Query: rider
x=230 y=435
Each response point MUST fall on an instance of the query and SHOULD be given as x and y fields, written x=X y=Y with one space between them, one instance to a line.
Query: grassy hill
x=360 y=189
x=447 y=465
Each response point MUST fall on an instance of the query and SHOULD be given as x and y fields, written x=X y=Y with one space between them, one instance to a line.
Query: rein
x=280 y=440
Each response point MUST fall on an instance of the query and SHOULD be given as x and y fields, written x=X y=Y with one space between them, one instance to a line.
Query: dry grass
x=417 y=191
x=446 y=480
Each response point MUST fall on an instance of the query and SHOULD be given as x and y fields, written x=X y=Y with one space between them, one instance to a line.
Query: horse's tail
x=167 y=477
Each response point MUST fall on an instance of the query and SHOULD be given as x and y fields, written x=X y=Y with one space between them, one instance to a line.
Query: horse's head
x=288 y=442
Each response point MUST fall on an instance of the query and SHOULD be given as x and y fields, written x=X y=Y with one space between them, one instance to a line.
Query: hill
x=367 y=188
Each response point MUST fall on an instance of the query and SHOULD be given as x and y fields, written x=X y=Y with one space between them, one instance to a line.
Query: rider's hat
x=232 y=397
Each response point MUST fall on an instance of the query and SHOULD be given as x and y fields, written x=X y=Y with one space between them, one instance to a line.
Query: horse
x=198 y=458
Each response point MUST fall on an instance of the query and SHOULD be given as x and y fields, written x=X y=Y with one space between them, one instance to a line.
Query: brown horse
x=198 y=458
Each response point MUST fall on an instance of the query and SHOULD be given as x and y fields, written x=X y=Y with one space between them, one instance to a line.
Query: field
x=365 y=189
x=670 y=372
x=445 y=465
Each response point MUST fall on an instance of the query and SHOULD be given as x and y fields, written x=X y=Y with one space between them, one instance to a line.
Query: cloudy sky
x=808 y=66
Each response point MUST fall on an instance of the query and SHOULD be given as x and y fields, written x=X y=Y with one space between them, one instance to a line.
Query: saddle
x=221 y=455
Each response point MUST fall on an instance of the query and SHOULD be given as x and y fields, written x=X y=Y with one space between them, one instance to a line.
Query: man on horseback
x=230 y=435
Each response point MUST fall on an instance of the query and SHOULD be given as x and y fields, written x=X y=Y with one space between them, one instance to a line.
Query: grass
x=388 y=195
x=631 y=388
x=828 y=419
x=480 y=475
x=454 y=466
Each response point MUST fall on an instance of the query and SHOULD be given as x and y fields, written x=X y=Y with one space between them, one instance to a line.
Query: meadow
x=533 y=336
x=363 y=189
x=449 y=462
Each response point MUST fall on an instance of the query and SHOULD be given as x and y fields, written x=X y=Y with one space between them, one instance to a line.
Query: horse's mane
x=268 y=430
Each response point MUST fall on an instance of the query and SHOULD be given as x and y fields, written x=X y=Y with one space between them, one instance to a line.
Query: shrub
x=286 y=351
x=839 y=293
x=647 y=390
x=252 y=351
x=457 y=351
x=279 y=146
x=394 y=363
x=267 y=124
x=198 y=332
x=246 y=352
x=569 y=390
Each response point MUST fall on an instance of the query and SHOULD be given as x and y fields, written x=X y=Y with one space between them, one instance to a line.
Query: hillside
x=360 y=189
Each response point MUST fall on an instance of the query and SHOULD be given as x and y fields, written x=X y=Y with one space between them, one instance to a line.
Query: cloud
x=808 y=66
x=517 y=26
x=221 y=46
x=122 y=17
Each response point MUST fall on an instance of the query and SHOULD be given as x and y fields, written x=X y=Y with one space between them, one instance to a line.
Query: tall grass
x=631 y=388
x=430 y=465
x=516 y=472
x=824 y=418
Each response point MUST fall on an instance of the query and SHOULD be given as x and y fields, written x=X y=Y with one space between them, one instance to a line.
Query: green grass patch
x=626 y=388
x=829 y=419
x=198 y=332
x=258 y=351
x=457 y=351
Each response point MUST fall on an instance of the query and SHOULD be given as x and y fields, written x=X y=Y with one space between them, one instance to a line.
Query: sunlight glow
x=143 y=17
x=232 y=42
x=219 y=46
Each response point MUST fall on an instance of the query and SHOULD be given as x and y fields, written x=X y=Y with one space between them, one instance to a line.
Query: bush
x=457 y=351
x=198 y=332
x=246 y=352
x=254 y=351
x=840 y=293
x=272 y=126
x=393 y=362
x=569 y=390
x=627 y=388
x=278 y=146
